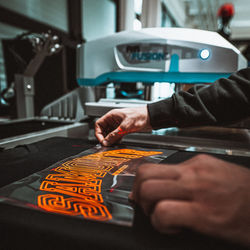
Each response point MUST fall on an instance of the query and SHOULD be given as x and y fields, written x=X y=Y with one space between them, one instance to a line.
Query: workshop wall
x=6 y=31
x=53 y=13
x=2 y=70
x=50 y=12
x=99 y=18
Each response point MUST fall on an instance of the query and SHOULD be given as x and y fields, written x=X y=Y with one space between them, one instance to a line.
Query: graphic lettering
x=74 y=188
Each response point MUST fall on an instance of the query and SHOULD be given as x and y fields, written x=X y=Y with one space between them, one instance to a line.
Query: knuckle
x=140 y=171
x=192 y=188
x=113 y=112
x=143 y=170
x=198 y=166
x=145 y=188
x=202 y=157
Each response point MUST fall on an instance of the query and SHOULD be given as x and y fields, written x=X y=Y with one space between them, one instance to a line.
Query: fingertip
x=167 y=229
x=154 y=221
x=99 y=137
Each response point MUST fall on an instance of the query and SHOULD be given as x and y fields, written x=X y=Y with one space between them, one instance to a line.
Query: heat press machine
x=174 y=55
x=158 y=55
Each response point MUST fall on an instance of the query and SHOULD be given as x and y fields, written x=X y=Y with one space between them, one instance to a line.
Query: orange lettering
x=74 y=187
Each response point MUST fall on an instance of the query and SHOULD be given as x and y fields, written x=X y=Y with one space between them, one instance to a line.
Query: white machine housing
x=159 y=50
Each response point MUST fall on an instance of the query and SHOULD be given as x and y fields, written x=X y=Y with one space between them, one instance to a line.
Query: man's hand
x=118 y=122
x=204 y=193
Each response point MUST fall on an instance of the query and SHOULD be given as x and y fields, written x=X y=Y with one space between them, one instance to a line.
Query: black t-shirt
x=26 y=228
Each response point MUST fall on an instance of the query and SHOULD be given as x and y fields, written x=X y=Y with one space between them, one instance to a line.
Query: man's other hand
x=204 y=193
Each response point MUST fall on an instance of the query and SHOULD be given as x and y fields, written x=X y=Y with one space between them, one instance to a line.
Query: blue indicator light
x=204 y=54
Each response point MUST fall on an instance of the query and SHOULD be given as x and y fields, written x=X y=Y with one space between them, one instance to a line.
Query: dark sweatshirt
x=221 y=102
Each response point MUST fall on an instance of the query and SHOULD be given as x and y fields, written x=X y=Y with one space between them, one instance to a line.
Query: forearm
x=224 y=101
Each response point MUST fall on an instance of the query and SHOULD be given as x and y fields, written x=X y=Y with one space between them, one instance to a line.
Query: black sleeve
x=224 y=101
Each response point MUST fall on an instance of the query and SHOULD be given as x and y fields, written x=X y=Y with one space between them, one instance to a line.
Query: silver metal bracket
x=25 y=96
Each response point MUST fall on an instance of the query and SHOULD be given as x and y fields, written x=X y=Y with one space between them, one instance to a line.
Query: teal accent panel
x=152 y=77
x=174 y=63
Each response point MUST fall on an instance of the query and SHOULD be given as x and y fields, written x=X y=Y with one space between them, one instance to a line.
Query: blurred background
x=24 y=26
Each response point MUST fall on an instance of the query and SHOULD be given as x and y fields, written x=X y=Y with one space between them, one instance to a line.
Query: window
x=137 y=25
x=166 y=19
x=164 y=89
x=99 y=18
x=2 y=70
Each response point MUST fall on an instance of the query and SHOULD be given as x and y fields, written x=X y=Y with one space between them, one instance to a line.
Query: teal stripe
x=151 y=77
x=174 y=63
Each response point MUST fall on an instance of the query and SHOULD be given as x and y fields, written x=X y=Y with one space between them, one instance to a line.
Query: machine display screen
x=92 y=185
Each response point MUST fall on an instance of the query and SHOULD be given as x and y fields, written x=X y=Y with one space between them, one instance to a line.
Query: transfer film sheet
x=94 y=184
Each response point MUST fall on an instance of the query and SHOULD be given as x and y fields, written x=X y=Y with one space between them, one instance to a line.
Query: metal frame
x=181 y=140
x=69 y=129
x=71 y=38
x=118 y=14
x=182 y=143
x=151 y=13
x=75 y=20
x=125 y=14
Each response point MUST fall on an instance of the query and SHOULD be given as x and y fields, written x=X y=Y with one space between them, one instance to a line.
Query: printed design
x=74 y=188
x=73 y=206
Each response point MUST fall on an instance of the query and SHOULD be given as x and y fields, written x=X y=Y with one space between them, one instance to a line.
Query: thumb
x=113 y=137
